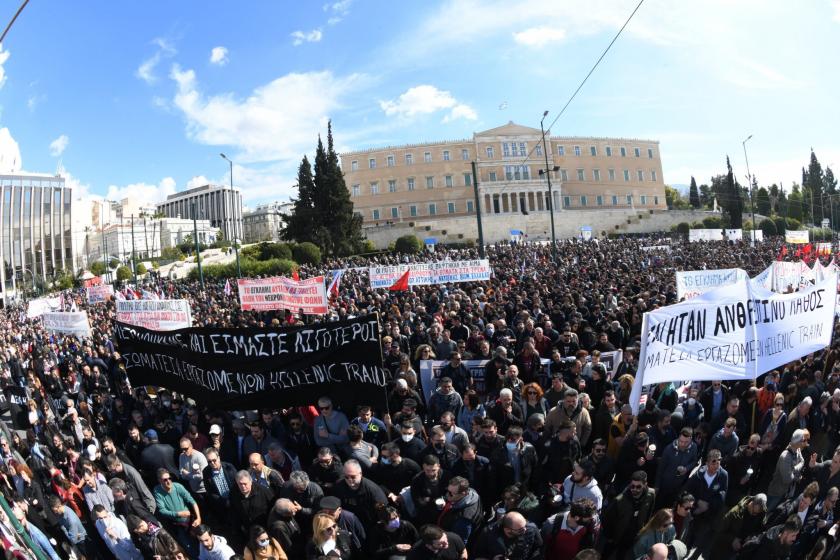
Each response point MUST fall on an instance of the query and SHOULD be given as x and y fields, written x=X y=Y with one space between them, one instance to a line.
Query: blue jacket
x=714 y=495
x=72 y=526
x=42 y=541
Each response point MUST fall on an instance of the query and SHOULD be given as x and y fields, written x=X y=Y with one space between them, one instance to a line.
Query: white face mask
x=407 y=437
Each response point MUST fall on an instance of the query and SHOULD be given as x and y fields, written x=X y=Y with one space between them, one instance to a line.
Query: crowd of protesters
x=516 y=460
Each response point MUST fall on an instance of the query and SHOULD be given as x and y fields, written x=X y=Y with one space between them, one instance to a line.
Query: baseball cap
x=760 y=499
x=91 y=452
x=151 y=434
x=677 y=550
x=329 y=502
x=215 y=429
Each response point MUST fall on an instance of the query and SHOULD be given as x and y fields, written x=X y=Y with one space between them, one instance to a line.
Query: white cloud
x=10 y=160
x=143 y=191
x=539 y=36
x=197 y=181
x=146 y=69
x=58 y=145
x=34 y=100
x=277 y=121
x=301 y=37
x=219 y=56
x=4 y=56
x=337 y=10
x=424 y=100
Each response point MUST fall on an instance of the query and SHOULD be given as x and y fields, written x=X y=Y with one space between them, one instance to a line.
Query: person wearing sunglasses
x=330 y=426
x=328 y=540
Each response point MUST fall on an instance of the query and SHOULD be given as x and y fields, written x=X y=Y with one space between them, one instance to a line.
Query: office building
x=222 y=206
x=265 y=222
x=37 y=236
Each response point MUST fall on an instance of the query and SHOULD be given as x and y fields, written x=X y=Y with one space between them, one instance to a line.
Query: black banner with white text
x=243 y=369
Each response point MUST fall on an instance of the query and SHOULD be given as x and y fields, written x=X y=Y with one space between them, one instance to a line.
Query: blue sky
x=140 y=98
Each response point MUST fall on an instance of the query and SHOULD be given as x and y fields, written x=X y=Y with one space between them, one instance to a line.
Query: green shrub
x=307 y=253
x=768 y=226
x=123 y=273
x=368 y=246
x=114 y=263
x=819 y=234
x=97 y=268
x=683 y=228
x=407 y=244
x=781 y=226
x=250 y=267
x=712 y=222
x=793 y=223
x=141 y=269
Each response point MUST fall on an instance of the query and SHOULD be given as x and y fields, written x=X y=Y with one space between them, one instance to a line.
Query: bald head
x=659 y=551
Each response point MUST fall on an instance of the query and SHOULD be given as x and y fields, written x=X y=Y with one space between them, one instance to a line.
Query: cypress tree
x=299 y=224
x=694 y=194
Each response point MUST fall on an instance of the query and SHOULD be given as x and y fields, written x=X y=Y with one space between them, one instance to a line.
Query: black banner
x=243 y=369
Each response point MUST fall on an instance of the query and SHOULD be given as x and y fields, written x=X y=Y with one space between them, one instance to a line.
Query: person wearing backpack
x=566 y=534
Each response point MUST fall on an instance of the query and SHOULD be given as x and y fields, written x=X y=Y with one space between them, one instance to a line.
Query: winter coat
x=786 y=473
x=650 y=538
x=580 y=416
x=668 y=480
x=625 y=516
x=766 y=546
x=462 y=517
x=714 y=495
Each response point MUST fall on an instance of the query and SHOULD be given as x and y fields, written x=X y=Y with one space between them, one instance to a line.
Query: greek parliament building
x=430 y=185
x=222 y=206
x=37 y=238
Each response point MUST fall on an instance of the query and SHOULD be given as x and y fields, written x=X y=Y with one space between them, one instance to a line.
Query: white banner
x=97 y=294
x=70 y=322
x=705 y=235
x=666 y=248
x=764 y=278
x=796 y=236
x=155 y=314
x=734 y=234
x=787 y=275
x=692 y=283
x=424 y=274
x=734 y=332
x=757 y=233
x=278 y=292
x=38 y=307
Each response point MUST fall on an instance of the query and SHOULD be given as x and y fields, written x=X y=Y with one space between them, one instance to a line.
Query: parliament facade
x=433 y=181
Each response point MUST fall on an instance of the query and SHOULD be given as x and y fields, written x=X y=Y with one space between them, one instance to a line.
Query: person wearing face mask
x=410 y=445
x=393 y=536
x=393 y=472
x=262 y=547
x=516 y=462
x=445 y=452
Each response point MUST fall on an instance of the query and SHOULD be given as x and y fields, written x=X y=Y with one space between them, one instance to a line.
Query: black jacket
x=362 y=501
x=252 y=510
x=210 y=484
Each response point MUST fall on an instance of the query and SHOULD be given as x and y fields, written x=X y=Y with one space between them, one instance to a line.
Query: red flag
x=807 y=249
x=295 y=275
x=401 y=285
x=782 y=253
x=798 y=253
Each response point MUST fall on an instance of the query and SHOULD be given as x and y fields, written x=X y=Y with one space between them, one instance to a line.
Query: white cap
x=215 y=429
x=402 y=383
x=91 y=452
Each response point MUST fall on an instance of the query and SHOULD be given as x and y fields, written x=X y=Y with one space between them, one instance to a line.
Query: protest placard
x=155 y=314
x=67 y=322
x=265 y=294
x=425 y=274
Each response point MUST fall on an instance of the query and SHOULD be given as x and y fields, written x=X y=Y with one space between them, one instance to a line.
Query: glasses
x=531 y=393
x=714 y=460
x=185 y=449
x=324 y=407
x=165 y=480
x=599 y=450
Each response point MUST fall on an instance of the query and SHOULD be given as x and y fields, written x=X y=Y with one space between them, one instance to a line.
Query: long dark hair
x=255 y=532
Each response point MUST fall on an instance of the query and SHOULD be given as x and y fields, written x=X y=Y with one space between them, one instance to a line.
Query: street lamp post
x=749 y=188
x=197 y=248
x=224 y=205
x=550 y=193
